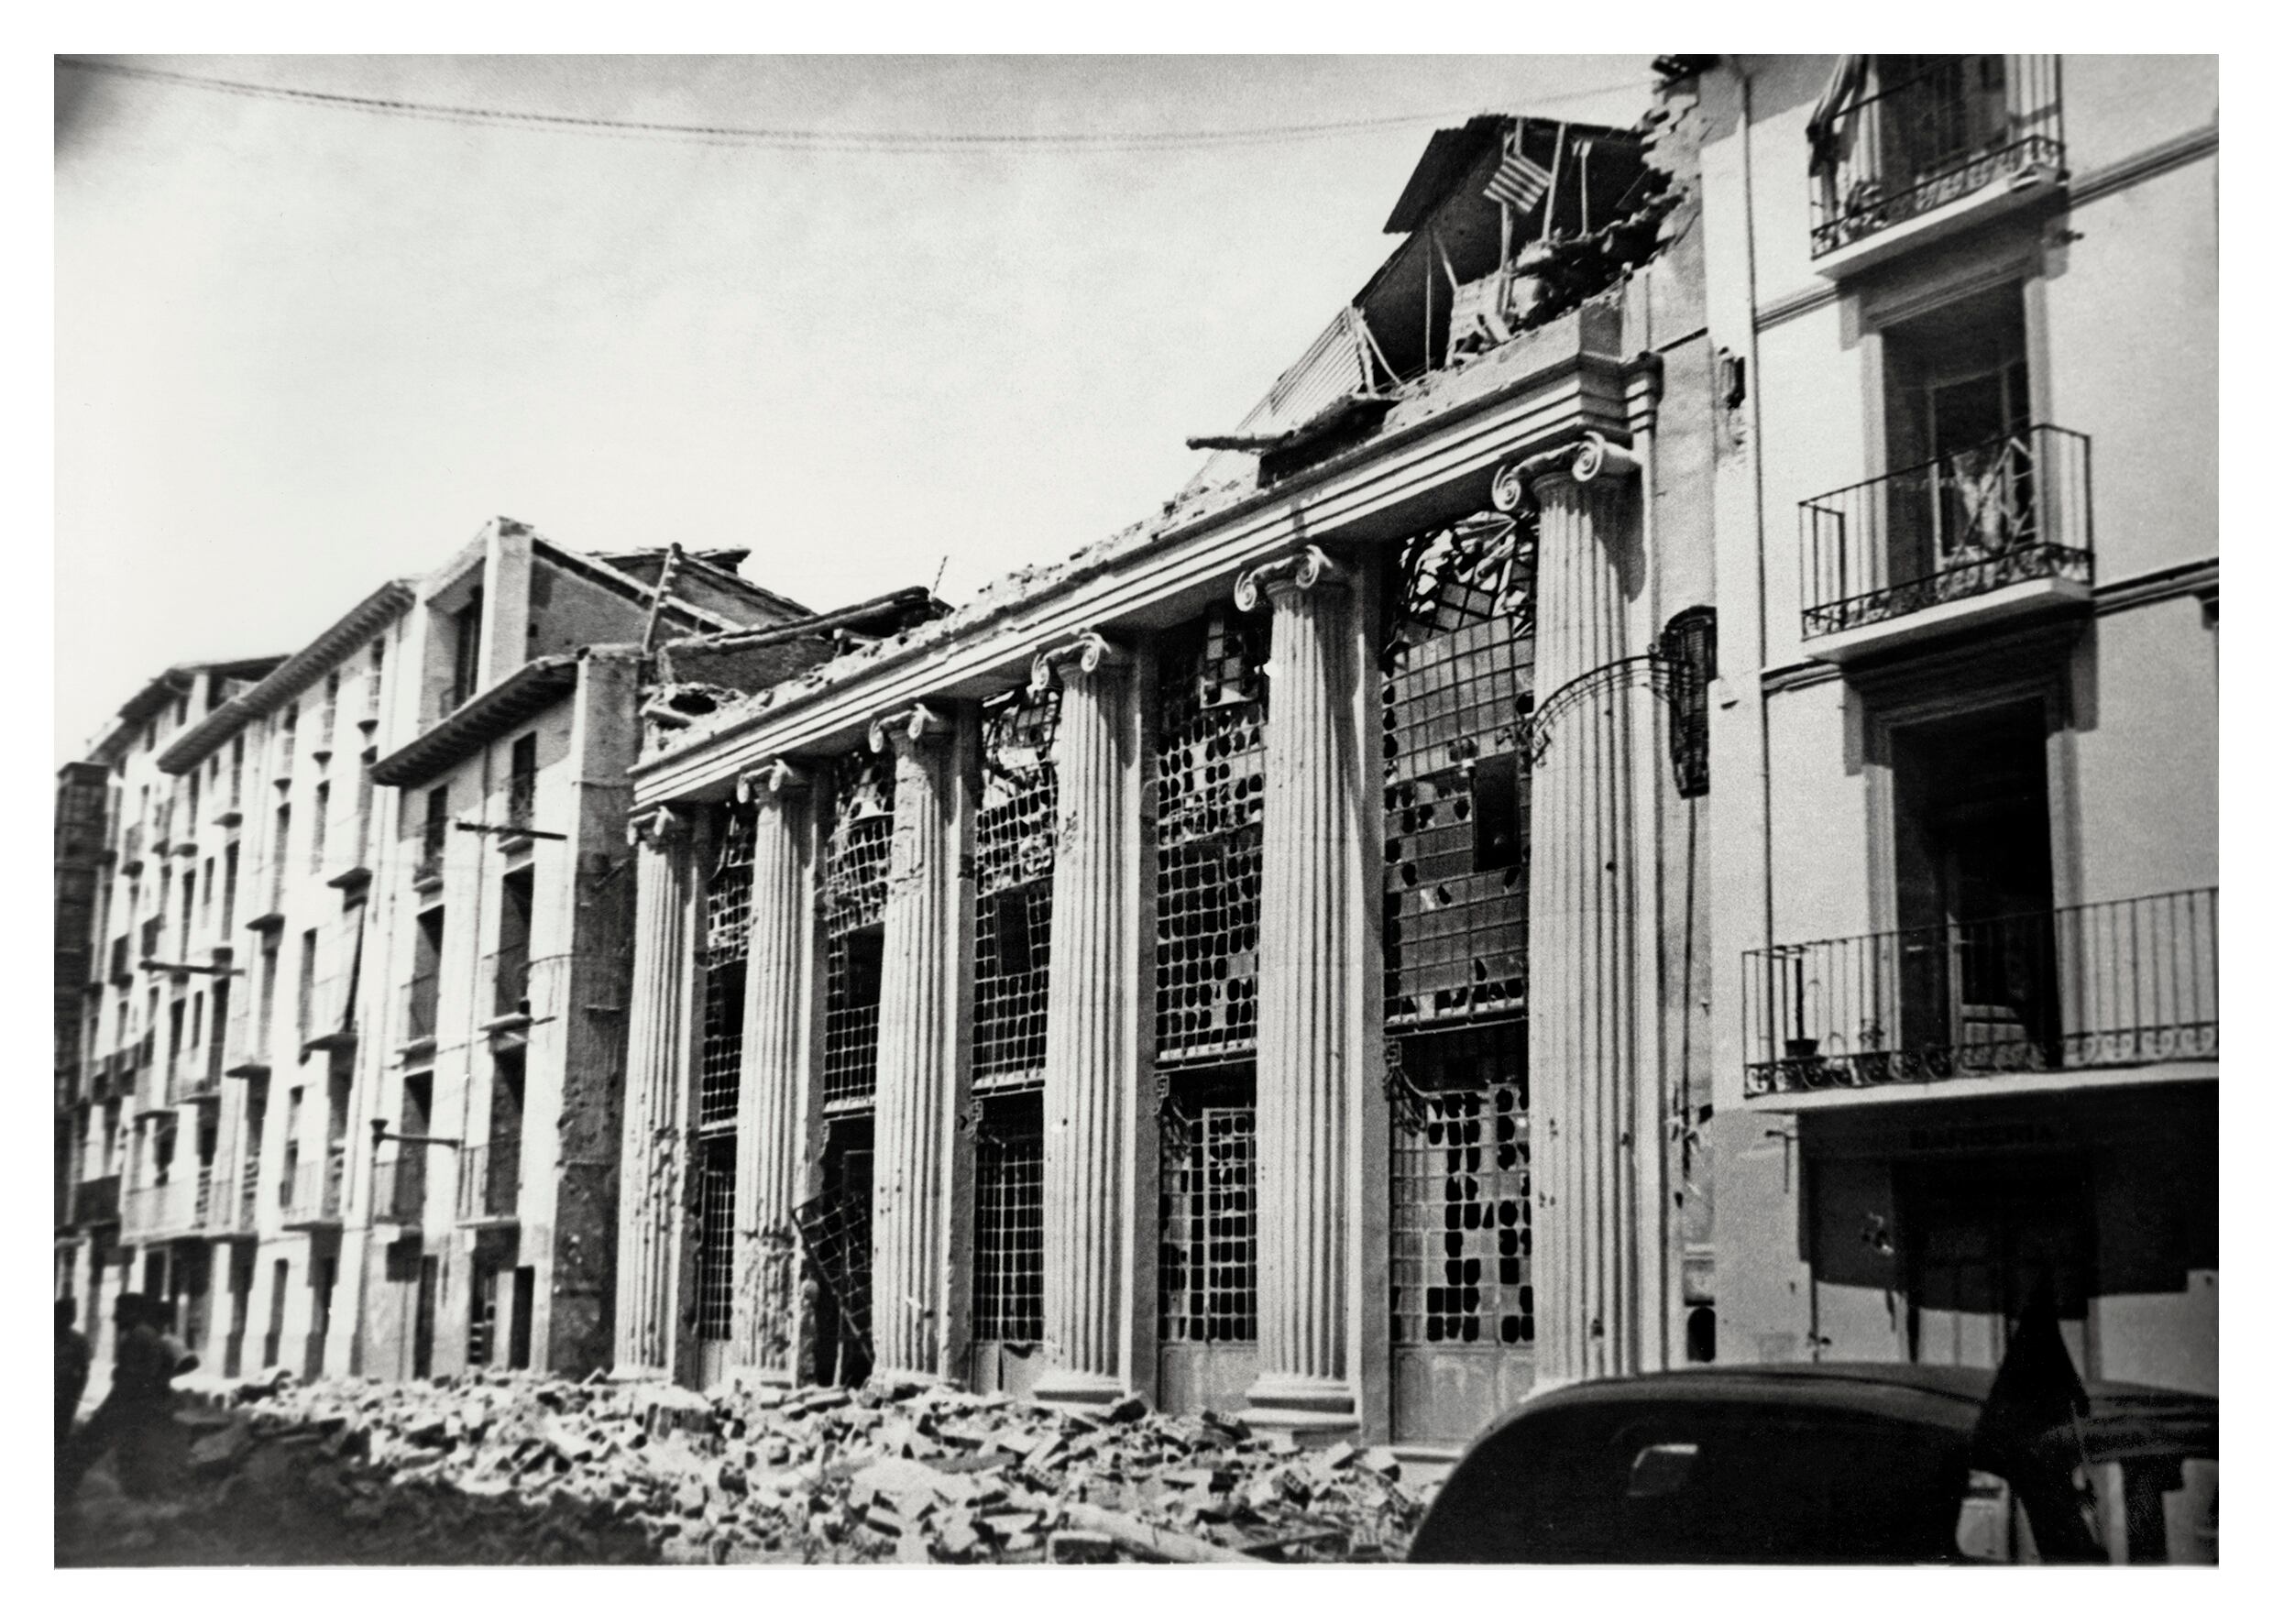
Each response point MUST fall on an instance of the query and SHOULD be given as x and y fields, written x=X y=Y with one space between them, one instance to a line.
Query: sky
x=302 y=347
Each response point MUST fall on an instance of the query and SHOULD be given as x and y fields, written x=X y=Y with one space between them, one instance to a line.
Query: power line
x=814 y=140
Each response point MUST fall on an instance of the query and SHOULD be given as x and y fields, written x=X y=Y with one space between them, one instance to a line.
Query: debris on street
x=508 y=1467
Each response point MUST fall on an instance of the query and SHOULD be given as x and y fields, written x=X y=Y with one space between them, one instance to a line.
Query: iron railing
x=399 y=1192
x=156 y=1209
x=520 y=801
x=311 y=1194
x=2015 y=508
x=1949 y=129
x=488 y=1180
x=432 y=836
x=509 y=978
x=421 y=999
x=2109 y=983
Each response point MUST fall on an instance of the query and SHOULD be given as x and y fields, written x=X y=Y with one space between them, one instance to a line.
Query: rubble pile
x=508 y=1467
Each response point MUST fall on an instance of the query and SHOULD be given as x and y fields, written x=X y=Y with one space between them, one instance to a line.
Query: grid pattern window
x=1209 y=774
x=1456 y=705
x=726 y=951
x=1460 y=1191
x=1017 y=833
x=855 y=866
x=1008 y=1244
x=713 y=1304
x=1208 y=1210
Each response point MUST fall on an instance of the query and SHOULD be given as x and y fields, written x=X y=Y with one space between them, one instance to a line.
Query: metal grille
x=834 y=1227
x=1207 y=1211
x=855 y=865
x=1008 y=1274
x=1460 y=1190
x=1209 y=772
x=713 y=1308
x=726 y=947
x=1017 y=833
x=1456 y=699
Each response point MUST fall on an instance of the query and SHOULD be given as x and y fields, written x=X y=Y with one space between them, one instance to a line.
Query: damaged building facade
x=343 y=1078
x=1965 y=732
x=1254 y=962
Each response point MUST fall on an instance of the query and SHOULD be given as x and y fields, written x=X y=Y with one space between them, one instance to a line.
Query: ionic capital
x=775 y=783
x=917 y=728
x=660 y=827
x=1089 y=649
x=1306 y=571
x=1583 y=461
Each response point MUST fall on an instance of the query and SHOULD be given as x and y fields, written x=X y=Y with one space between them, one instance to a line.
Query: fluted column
x=1584 y=922
x=654 y=1087
x=1089 y=1078
x=924 y=939
x=1307 y=1068
x=776 y=1067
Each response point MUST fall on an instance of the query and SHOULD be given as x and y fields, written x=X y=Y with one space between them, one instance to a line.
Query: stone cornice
x=1090 y=650
x=1306 y=571
x=1448 y=458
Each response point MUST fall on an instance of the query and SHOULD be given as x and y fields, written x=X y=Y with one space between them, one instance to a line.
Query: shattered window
x=1460 y=1190
x=713 y=1305
x=855 y=863
x=1457 y=697
x=1213 y=702
x=726 y=947
x=1017 y=827
x=1008 y=1245
x=1208 y=1208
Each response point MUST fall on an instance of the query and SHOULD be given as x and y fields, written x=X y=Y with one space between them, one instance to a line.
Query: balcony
x=421 y=1001
x=399 y=1191
x=507 y=971
x=1968 y=540
x=95 y=1202
x=327 y=1017
x=159 y=1211
x=131 y=850
x=122 y=966
x=153 y=936
x=426 y=869
x=310 y=1198
x=2124 y=989
x=488 y=1183
x=1955 y=141
x=247 y=1199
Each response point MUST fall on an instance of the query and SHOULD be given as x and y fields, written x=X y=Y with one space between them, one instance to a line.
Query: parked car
x=1832 y=1464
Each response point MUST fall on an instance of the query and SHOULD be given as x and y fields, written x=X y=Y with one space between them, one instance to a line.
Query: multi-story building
x=148 y=873
x=1965 y=866
x=292 y=1105
x=1249 y=962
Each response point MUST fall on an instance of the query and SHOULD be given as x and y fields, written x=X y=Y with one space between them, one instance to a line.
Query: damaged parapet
x=695 y=676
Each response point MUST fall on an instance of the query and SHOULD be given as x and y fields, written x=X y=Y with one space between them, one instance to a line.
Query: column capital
x=1584 y=461
x=918 y=727
x=776 y=782
x=1305 y=571
x=1090 y=648
x=660 y=827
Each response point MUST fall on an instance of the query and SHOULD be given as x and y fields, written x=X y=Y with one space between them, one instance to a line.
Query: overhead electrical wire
x=816 y=140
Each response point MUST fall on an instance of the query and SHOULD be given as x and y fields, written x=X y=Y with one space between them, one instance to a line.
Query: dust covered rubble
x=900 y=1471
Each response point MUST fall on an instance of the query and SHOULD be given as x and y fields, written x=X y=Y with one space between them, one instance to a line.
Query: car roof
x=1943 y=1396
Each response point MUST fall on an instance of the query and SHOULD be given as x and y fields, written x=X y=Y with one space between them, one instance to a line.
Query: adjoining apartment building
x=354 y=1105
x=1251 y=962
x=1965 y=730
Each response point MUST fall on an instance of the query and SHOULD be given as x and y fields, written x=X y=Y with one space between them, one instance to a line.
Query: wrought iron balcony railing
x=520 y=801
x=423 y=999
x=488 y=1181
x=433 y=837
x=508 y=977
x=2111 y=984
x=311 y=1195
x=2018 y=508
x=399 y=1191
x=1953 y=126
x=154 y=1210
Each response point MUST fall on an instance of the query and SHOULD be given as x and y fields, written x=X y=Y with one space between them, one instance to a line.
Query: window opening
x=1212 y=701
x=726 y=949
x=1016 y=850
x=1460 y=1190
x=1007 y=1284
x=856 y=861
x=833 y=1229
x=1208 y=1208
x=714 y=1238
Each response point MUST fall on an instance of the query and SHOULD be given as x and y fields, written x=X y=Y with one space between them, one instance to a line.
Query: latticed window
x=713 y=1304
x=1456 y=698
x=1007 y=1305
x=856 y=864
x=1018 y=831
x=726 y=951
x=1209 y=774
x=1460 y=1190
x=1207 y=1210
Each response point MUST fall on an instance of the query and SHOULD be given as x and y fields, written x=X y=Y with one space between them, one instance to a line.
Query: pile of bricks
x=515 y=1468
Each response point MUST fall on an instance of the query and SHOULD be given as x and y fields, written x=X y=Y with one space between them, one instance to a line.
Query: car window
x=2143 y=1509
